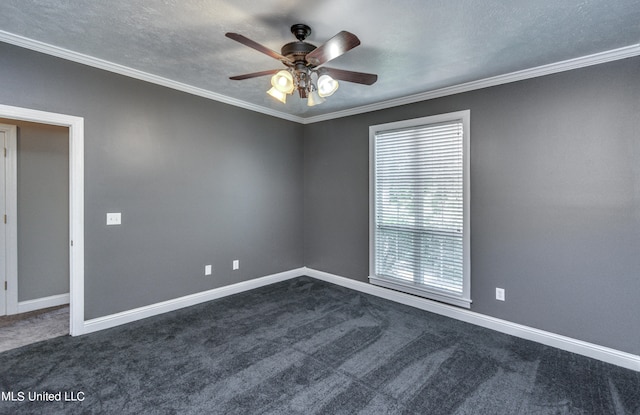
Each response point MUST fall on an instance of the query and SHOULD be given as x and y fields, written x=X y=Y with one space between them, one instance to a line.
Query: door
x=8 y=281
x=3 y=226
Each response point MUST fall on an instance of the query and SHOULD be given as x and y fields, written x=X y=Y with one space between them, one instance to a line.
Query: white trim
x=562 y=66
x=11 y=205
x=552 y=68
x=464 y=300
x=44 y=302
x=81 y=58
x=76 y=201
x=606 y=354
x=76 y=223
x=421 y=292
x=129 y=316
x=616 y=357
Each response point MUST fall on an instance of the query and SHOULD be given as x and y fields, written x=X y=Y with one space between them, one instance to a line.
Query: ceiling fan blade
x=254 y=74
x=255 y=45
x=332 y=48
x=351 y=76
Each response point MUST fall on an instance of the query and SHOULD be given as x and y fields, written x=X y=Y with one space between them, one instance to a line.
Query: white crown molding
x=570 y=64
x=567 y=65
x=81 y=58
x=606 y=354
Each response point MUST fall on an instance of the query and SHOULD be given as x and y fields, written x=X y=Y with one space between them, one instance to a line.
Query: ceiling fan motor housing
x=296 y=51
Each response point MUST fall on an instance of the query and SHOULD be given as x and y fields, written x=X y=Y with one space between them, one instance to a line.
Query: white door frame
x=9 y=249
x=76 y=203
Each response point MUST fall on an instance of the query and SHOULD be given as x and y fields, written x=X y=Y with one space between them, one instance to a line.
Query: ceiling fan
x=303 y=63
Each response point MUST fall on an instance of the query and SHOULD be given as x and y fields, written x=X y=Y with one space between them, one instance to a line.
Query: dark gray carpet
x=308 y=347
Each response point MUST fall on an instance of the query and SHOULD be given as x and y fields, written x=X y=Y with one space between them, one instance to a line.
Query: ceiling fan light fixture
x=283 y=82
x=277 y=94
x=314 y=99
x=304 y=61
x=326 y=86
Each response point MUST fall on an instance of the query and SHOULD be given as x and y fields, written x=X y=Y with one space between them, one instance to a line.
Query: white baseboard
x=606 y=354
x=44 y=302
x=129 y=316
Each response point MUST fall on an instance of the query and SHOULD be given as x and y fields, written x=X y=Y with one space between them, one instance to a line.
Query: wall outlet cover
x=114 y=218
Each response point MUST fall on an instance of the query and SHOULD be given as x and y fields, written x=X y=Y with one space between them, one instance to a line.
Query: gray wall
x=555 y=191
x=43 y=209
x=198 y=182
x=555 y=199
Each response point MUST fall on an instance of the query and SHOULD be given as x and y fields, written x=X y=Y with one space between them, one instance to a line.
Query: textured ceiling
x=414 y=46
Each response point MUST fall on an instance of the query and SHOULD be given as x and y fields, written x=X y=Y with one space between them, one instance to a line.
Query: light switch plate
x=236 y=264
x=114 y=218
x=207 y=270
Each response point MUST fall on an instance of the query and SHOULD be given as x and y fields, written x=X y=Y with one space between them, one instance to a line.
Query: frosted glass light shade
x=283 y=82
x=326 y=86
x=280 y=96
x=314 y=99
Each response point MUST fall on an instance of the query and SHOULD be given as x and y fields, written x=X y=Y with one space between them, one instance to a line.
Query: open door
x=8 y=223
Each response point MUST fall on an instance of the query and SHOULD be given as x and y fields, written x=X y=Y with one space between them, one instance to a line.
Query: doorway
x=75 y=127
x=42 y=197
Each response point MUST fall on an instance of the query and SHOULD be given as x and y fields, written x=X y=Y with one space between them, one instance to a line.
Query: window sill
x=409 y=288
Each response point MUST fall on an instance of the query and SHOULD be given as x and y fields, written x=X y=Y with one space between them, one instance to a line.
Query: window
x=419 y=217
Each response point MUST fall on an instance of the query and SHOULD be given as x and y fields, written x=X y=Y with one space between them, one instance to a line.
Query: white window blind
x=419 y=236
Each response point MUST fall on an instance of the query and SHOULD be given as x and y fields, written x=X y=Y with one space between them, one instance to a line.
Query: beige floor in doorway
x=26 y=328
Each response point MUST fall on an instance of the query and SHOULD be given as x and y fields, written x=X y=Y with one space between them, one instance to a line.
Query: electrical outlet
x=500 y=294
x=236 y=264
x=114 y=218
x=207 y=270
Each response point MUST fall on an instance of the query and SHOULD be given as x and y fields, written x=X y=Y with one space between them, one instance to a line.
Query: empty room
x=320 y=207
